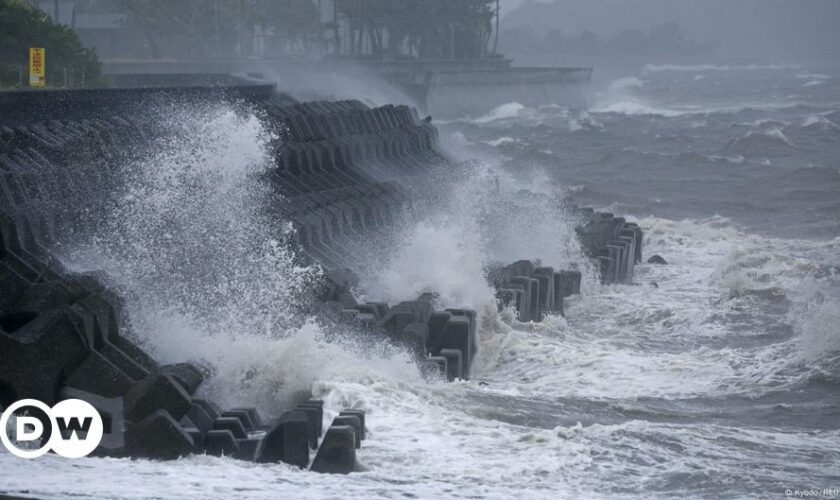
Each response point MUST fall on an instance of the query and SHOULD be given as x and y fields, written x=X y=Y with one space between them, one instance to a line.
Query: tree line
x=428 y=29
x=665 y=39
x=68 y=62
x=221 y=29
x=199 y=29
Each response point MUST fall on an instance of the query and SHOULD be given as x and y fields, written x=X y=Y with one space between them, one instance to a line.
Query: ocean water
x=714 y=376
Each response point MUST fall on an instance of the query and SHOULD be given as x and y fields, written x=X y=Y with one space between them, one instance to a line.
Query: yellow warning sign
x=37 y=67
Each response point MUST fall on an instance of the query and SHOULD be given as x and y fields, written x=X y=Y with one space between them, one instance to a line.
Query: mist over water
x=208 y=273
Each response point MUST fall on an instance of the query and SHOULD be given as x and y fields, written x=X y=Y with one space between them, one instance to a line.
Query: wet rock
x=200 y=418
x=530 y=298
x=248 y=448
x=185 y=374
x=313 y=418
x=220 y=443
x=286 y=441
x=360 y=414
x=156 y=392
x=250 y=417
x=318 y=405
x=98 y=375
x=454 y=363
x=354 y=422
x=434 y=367
x=232 y=424
x=337 y=454
x=243 y=416
x=209 y=407
x=657 y=259
x=456 y=335
x=37 y=352
x=473 y=319
x=159 y=436
x=256 y=419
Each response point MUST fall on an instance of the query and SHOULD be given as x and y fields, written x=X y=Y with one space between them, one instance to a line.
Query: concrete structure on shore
x=444 y=64
x=346 y=171
x=442 y=88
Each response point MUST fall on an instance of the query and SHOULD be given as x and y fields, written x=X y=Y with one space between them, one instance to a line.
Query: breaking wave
x=819 y=123
x=505 y=111
x=500 y=141
x=208 y=274
x=812 y=76
x=656 y=68
x=763 y=143
x=624 y=97
x=813 y=83
x=584 y=121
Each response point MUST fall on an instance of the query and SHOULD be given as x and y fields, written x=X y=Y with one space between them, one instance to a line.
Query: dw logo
x=72 y=428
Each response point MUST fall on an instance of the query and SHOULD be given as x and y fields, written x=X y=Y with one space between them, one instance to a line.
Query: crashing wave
x=695 y=158
x=813 y=83
x=584 y=121
x=767 y=142
x=819 y=123
x=812 y=76
x=763 y=124
x=622 y=98
x=500 y=141
x=505 y=111
x=658 y=68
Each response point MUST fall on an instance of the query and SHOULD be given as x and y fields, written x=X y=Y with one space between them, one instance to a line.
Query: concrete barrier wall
x=60 y=334
x=25 y=107
x=344 y=171
x=347 y=173
x=339 y=168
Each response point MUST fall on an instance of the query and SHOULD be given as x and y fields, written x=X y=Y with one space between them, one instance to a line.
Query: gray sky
x=782 y=29
x=509 y=5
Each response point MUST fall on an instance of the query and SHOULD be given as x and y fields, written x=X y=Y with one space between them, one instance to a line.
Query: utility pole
x=335 y=28
x=241 y=28
x=216 y=25
x=321 y=31
x=451 y=40
x=496 y=36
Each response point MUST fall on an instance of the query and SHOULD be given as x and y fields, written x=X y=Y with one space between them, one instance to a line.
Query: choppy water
x=717 y=375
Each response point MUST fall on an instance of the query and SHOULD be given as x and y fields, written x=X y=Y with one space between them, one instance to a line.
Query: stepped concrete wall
x=345 y=171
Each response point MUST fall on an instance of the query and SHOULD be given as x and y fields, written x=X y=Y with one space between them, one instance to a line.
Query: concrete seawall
x=345 y=170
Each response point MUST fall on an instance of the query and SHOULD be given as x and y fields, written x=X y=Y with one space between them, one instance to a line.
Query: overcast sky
x=783 y=29
x=509 y=5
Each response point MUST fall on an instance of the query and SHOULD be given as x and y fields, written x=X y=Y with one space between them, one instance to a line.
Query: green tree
x=296 y=23
x=221 y=28
x=430 y=29
x=23 y=26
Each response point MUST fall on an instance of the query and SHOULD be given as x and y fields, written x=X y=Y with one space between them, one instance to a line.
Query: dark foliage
x=22 y=27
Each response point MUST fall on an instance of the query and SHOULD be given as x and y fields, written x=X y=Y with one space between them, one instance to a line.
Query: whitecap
x=819 y=122
x=655 y=68
x=633 y=107
x=500 y=141
x=626 y=83
x=505 y=111
x=584 y=121
x=812 y=76
x=813 y=83
x=772 y=141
